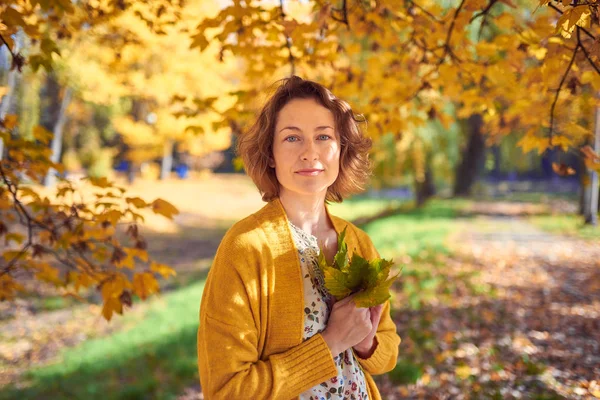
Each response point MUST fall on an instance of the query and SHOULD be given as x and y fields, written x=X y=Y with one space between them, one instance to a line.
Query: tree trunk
x=167 y=160
x=56 y=146
x=5 y=104
x=473 y=158
x=425 y=189
x=591 y=203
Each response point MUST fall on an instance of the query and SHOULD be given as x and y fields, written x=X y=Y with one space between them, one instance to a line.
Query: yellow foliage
x=144 y=285
x=160 y=206
x=8 y=287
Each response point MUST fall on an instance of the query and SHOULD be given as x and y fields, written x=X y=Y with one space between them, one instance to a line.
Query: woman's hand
x=348 y=326
x=365 y=347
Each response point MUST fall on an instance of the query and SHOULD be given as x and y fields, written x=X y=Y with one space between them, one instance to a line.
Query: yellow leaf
x=113 y=216
x=12 y=254
x=139 y=253
x=144 y=285
x=579 y=16
x=112 y=304
x=41 y=134
x=530 y=142
x=162 y=269
x=100 y=182
x=47 y=273
x=15 y=237
x=83 y=280
x=137 y=202
x=10 y=121
x=160 y=206
x=8 y=287
x=463 y=372
x=114 y=286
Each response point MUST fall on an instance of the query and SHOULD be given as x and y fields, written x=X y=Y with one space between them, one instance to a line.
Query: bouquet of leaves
x=369 y=278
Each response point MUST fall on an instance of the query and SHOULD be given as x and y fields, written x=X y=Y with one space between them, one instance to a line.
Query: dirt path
x=538 y=335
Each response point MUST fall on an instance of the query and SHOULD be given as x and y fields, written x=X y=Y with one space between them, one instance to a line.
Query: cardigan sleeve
x=384 y=357
x=230 y=331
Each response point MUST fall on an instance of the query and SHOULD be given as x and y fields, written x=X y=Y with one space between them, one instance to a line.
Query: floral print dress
x=350 y=381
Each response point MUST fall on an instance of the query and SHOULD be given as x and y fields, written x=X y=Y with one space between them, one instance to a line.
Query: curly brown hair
x=256 y=146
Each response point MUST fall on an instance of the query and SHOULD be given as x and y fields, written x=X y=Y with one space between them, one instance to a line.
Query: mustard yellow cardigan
x=252 y=311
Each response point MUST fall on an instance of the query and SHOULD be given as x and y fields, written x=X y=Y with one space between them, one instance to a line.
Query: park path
x=538 y=336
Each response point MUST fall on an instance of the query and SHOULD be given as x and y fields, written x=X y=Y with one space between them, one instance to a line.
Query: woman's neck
x=306 y=212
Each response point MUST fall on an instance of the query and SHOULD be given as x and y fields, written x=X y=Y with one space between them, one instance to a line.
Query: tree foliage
x=66 y=240
x=524 y=69
x=71 y=242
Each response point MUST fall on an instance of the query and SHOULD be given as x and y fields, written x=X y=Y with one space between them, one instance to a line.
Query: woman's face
x=306 y=148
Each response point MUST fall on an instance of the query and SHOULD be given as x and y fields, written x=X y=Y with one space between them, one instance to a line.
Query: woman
x=268 y=328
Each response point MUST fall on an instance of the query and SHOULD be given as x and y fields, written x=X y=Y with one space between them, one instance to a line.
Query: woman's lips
x=309 y=172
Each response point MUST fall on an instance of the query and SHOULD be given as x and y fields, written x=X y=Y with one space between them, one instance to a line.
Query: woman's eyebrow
x=295 y=128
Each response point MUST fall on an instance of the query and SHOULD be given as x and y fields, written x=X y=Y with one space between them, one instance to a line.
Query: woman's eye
x=324 y=137
x=291 y=139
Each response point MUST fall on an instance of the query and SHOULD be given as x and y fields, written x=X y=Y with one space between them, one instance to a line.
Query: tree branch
x=587 y=55
x=447 y=49
x=430 y=15
x=562 y=81
x=344 y=11
x=288 y=42
x=561 y=12
x=8 y=47
x=483 y=12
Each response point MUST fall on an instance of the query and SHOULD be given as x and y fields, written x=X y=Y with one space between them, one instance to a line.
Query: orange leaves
x=144 y=285
x=63 y=241
x=8 y=287
x=9 y=122
x=562 y=169
x=162 y=269
x=591 y=158
x=572 y=17
x=137 y=202
x=162 y=207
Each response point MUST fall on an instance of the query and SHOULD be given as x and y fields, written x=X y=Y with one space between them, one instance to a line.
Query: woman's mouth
x=309 y=172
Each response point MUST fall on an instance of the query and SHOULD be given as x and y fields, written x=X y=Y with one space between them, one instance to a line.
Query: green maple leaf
x=340 y=261
x=375 y=295
x=357 y=271
x=379 y=270
x=369 y=279
x=336 y=283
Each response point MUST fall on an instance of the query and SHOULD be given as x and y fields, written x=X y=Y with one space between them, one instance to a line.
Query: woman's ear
x=271 y=162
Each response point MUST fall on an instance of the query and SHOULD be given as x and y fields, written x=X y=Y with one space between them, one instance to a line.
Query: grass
x=361 y=207
x=566 y=224
x=415 y=231
x=156 y=357
x=532 y=197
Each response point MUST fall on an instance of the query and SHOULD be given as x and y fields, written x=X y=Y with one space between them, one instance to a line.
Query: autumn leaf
x=102 y=183
x=160 y=206
x=463 y=372
x=8 y=287
x=562 y=169
x=144 y=285
x=162 y=269
x=42 y=134
x=369 y=279
x=112 y=305
x=336 y=283
x=137 y=202
x=10 y=121
x=576 y=16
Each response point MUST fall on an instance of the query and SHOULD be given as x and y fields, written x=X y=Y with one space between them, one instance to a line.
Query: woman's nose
x=309 y=152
